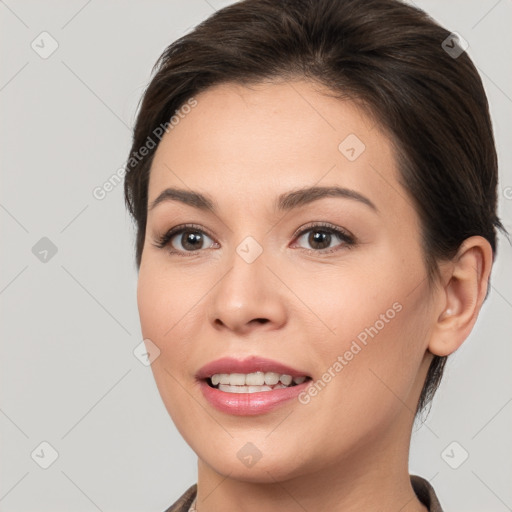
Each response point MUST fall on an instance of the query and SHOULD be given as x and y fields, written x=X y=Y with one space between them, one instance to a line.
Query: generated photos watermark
x=356 y=347
x=100 y=192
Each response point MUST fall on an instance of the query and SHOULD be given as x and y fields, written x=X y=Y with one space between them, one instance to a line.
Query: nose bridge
x=248 y=290
x=244 y=284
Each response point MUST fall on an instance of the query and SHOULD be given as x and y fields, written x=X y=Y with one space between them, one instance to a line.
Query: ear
x=464 y=287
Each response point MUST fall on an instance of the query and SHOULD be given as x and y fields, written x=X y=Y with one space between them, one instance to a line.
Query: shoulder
x=425 y=493
x=184 y=501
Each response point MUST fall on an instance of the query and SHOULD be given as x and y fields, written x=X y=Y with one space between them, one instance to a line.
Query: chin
x=266 y=470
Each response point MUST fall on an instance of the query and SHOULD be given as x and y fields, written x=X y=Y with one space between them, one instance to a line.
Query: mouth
x=255 y=382
x=251 y=386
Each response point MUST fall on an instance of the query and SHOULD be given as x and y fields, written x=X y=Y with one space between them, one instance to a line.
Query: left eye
x=320 y=238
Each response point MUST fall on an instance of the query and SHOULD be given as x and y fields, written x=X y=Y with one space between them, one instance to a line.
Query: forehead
x=255 y=142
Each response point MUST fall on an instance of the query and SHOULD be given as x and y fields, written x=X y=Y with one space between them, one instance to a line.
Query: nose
x=248 y=297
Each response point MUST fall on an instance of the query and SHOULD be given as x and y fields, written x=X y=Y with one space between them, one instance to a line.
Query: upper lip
x=249 y=365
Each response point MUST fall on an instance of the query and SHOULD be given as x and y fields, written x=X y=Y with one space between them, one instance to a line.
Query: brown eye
x=319 y=239
x=184 y=240
x=189 y=240
x=324 y=238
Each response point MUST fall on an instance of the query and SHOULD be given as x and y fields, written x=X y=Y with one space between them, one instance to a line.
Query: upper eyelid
x=327 y=226
x=311 y=225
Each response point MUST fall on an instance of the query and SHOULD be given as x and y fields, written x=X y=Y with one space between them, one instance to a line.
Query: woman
x=314 y=190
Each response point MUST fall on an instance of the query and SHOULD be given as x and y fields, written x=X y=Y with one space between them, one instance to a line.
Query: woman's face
x=258 y=278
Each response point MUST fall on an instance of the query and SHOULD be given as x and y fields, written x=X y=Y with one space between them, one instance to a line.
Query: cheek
x=382 y=345
x=166 y=302
x=166 y=311
x=379 y=322
x=345 y=303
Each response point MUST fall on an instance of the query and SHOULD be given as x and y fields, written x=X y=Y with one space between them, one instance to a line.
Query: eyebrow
x=286 y=201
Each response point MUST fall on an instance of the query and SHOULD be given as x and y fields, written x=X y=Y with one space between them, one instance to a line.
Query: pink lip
x=248 y=404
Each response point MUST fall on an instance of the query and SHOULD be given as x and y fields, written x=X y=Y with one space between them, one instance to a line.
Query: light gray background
x=69 y=326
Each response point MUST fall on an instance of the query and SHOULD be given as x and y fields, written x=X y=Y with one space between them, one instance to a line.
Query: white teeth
x=233 y=389
x=256 y=389
x=255 y=379
x=271 y=378
x=286 y=379
x=243 y=389
x=237 y=379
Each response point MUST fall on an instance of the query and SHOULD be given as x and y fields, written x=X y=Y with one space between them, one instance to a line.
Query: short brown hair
x=387 y=56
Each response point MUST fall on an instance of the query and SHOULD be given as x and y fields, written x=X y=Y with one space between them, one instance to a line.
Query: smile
x=251 y=386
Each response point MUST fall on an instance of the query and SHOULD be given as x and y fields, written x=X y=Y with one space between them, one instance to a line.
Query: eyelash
x=348 y=239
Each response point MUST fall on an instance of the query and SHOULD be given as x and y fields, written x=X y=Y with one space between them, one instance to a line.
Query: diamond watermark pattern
x=351 y=147
x=44 y=45
x=455 y=45
x=454 y=455
x=44 y=455
x=249 y=249
x=44 y=250
x=249 y=454
x=146 y=352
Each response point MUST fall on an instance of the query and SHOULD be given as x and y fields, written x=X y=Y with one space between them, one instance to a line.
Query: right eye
x=184 y=239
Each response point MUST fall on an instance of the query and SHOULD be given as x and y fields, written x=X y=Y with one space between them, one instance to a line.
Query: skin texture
x=347 y=449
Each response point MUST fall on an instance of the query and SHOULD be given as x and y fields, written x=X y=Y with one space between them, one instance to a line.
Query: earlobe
x=463 y=293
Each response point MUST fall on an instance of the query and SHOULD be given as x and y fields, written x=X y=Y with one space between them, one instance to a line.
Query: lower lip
x=249 y=404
